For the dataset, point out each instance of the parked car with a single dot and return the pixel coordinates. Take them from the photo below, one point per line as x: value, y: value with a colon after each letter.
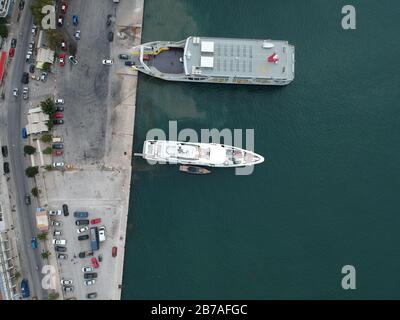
x: 63, y: 45
x: 24, y: 133
x: 92, y: 295
x: 95, y: 221
x: 15, y: 92
x: 78, y: 35
x: 59, y: 101
x: 13, y: 43
x: 60, y: 242
x: 25, y: 292
x: 114, y: 252
x: 57, y: 153
x: 25, y: 78
x: 56, y: 223
x: 108, y: 62
x: 90, y: 275
x: 27, y: 199
x: 123, y: 56
x: 110, y: 36
x: 102, y: 233
x: 28, y: 57
x: 25, y: 93
x: 81, y: 222
x: 32, y: 68
x: 129, y: 63
x: 21, y: 5
x: 60, y: 21
x: 33, y: 30
x: 55, y: 212
x: 66, y: 282
x: 43, y: 76
x: 81, y: 214
x: 73, y: 59
x: 87, y: 269
x: 65, y: 210
x: 34, y: 243
x: 68, y: 288
x: 57, y: 146
x: 84, y: 254
x: 57, y: 233
x: 75, y: 20
x: 95, y: 263
x: 62, y: 256
x: 6, y: 167
x: 58, y: 165
x: 60, y: 249
x: 57, y: 115
x: 58, y: 121
x: 64, y: 7
x: 89, y: 282
x: 83, y: 237
x: 4, y: 151
x: 62, y: 59
x: 11, y: 52
x: 100, y: 257
x: 59, y: 109
x: 83, y: 229
x: 109, y: 20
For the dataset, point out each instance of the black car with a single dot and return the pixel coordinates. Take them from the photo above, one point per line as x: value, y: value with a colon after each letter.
x: 82, y: 222
x: 123, y: 56
x: 58, y: 121
x: 83, y: 237
x: 6, y: 167
x: 109, y: 19
x: 100, y: 258
x: 65, y: 210
x: 13, y: 43
x: 57, y: 146
x: 62, y: 256
x: 84, y: 254
x: 25, y: 78
x: 92, y: 295
x: 59, y: 109
x: 60, y: 249
x: 4, y: 151
x: 27, y: 199
x: 32, y: 68
x: 110, y: 36
x: 21, y: 5
x: 92, y: 275
x: 129, y: 63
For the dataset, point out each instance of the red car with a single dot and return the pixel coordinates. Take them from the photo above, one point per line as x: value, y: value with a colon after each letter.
x: 114, y: 251
x: 94, y: 221
x: 11, y: 52
x: 64, y: 7
x: 62, y: 59
x: 95, y: 264
x: 58, y: 115
x: 63, y: 45
x: 57, y: 153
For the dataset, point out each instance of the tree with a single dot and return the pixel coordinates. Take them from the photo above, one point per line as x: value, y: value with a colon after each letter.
x: 35, y: 192
x: 46, y: 138
x: 54, y: 38
x: 48, y: 106
x: 42, y: 236
x: 49, y: 125
x: 48, y: 167
x: 46, y: 67
x: 29, y: 149
x: 32, y: 171
x: 48, y: 150
x: 17, y: 275
x: 3, y: 31
x: 36, y: 9
x: 45, y: 254
x: 53, y: 295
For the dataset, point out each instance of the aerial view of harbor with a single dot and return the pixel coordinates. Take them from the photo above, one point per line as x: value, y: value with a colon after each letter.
x: 199, y: 150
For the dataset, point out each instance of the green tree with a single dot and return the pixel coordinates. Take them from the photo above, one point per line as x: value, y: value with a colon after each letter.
x: 46, y: 67
x: 49, y: 125
x: 35, y: 192
x: 42, y: 236
x: 32, y: 171
x: 17, y: 275
x: 46, y: 138
x: 48, y: 106
x: 29, y: 149
x: 48, y: 167
x: 45, y: 255
x: 36, y: 9
x: 3, y: 31
x: 53, y: 295
x: 48, y: 150
x: 54, y: 38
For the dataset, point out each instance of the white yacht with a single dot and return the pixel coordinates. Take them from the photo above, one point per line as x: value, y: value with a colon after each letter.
x: 202, y: 154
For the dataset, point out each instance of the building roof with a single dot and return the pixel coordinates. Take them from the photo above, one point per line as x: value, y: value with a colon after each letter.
x: 36, y: 121
x: 244, y: 58
x: 43, y: 56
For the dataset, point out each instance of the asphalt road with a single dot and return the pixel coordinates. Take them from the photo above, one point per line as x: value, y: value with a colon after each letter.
x: 16, y: 118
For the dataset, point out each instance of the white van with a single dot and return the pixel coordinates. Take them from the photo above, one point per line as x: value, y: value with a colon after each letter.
x: 57, y: 139
x: 59, y: 101
x: 102, y: 233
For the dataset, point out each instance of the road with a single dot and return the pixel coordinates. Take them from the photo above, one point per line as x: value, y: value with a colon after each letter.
x: 16, y: 118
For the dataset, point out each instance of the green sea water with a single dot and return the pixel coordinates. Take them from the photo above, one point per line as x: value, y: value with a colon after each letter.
x: 327, y: 194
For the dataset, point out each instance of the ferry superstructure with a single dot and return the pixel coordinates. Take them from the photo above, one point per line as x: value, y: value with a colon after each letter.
x: 202, y: 154
x: 218, y: 60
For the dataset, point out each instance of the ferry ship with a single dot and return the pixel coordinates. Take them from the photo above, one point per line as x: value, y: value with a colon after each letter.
x: 201, y: 154
x: 218, y: 60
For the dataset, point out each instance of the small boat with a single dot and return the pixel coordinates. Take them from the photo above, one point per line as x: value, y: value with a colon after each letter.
x: 193, y: 169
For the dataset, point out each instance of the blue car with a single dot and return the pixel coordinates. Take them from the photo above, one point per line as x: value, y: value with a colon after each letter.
x: 81, y: 214
x: 25, y: 289
x: 34, y: 243
x: 24, y: 133
x: 75, y: 20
